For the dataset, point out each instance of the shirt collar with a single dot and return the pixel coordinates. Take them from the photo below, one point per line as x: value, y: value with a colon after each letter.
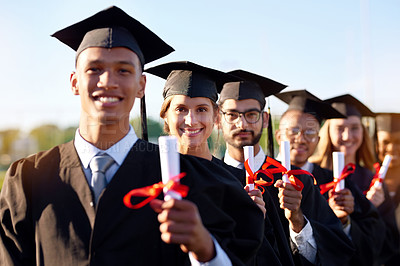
x: 259, y: 160
x: 118, y: 151
x: 232, y: 162
x: 309, y: 167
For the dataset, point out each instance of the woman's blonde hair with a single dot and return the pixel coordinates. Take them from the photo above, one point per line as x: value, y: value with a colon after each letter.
x: 364, y: 156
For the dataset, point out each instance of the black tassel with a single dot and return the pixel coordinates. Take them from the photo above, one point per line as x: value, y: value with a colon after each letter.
x: 143, y: 119
x: 270, y: 134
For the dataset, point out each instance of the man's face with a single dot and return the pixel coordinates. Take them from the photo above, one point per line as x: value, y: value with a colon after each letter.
x: 389, y: 144
x: 108, y: 81
x: 301, y: 129
x: 242, y: 133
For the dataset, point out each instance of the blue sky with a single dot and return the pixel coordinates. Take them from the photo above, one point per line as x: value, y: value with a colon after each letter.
x: 327, y: 47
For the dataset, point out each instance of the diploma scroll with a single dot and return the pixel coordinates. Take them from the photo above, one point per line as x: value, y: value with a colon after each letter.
x: 383, y: 170
x: 285, y: 152
x: 249, y: 155
x: 170, y: 167
x: 338, y: 165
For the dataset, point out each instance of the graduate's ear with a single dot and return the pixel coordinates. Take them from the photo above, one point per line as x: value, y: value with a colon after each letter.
x: 278, y: 136
x: 142, y: 86
x: 218, y: 120
x: 265, y: 119
x: 74, y: 83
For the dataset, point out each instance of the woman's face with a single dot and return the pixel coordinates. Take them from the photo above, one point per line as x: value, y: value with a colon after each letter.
x: 346, y: 135
x: 191, y: 120
x: 389, y: 144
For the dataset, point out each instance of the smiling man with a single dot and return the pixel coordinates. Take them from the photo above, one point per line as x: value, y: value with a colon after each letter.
x: 300, y: 126
x: 65, y: 206
x: 310, y: 226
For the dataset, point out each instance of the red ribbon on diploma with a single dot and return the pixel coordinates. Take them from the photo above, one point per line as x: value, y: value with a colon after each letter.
x: 347, y: 170
x: 252, y: 178
x: 298, y: 185
x: 376, y: 177
x: 153, y: 191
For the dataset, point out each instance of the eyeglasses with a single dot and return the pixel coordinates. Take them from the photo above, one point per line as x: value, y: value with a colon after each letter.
x: 309, y: 135
x: 251, y: 117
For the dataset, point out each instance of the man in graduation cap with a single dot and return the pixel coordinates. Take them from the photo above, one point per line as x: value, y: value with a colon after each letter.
x: 388, y: 143
x: 300, y: 125
x: 65, y: 206
x: 312, y: 229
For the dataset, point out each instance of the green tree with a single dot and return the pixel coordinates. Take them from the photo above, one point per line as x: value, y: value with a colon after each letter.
x: 8, y: 137
x: 68, y: 134
x: 47, y: 136
x: 154, y: 128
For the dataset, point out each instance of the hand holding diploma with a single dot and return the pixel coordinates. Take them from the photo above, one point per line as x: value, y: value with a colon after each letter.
x: 257, y: 197
x: 285, y: 151
x: 289, y: 197
x: 375, y: 193
x: 180, y: 221
x: 342, y: 203
x: 338, y: 166
x: 169, y: 158
x: 249, y: 157
x: 290, y: 201
x: 383, y: 170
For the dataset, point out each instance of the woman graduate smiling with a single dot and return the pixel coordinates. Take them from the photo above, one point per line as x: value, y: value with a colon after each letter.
x: 190, y: 112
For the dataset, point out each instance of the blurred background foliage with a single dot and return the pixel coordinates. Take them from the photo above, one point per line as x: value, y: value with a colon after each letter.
x: 15, y: 144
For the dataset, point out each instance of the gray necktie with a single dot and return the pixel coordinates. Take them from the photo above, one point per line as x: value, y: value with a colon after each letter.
x: 99, y: 165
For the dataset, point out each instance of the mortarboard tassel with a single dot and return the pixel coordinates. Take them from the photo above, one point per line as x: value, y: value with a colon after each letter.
x: 270, y: 136
x: 143, y: 118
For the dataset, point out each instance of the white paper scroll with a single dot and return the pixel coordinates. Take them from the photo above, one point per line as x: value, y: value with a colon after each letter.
x: 383, y: 170
x: 249, y: 155
x: 338, y: 165
x: 285, y: 152
x: 170, y: 167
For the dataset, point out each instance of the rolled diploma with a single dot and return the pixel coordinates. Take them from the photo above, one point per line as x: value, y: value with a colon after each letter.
x: 383, y: 170
x: 169, y: 158
x: 285, y: 152
x: 249, y: 154
x: 338, y: 165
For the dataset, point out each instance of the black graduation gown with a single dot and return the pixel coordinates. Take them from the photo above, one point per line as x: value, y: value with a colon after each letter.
x: 333, y: 246
x: 47, y: 215
x: 274, y: 236
x: 367, y: 227
x: 362, y: 177
x: 394, y: 261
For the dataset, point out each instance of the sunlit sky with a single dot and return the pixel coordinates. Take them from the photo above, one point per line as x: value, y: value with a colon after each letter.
x: 327, y: 47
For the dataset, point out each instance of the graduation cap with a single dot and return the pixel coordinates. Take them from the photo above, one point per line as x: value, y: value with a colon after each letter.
x: 306, y: 102
x: 113, y: 27
x: 251, y: 86
x: 349, y: 105
x: 256, y: 87
x: 389, y: 122
x: 190, y: 79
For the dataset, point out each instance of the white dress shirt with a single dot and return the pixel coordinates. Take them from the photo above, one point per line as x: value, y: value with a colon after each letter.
x: 304, y: 240
x: 86, y: 151
x: 309, y: 167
